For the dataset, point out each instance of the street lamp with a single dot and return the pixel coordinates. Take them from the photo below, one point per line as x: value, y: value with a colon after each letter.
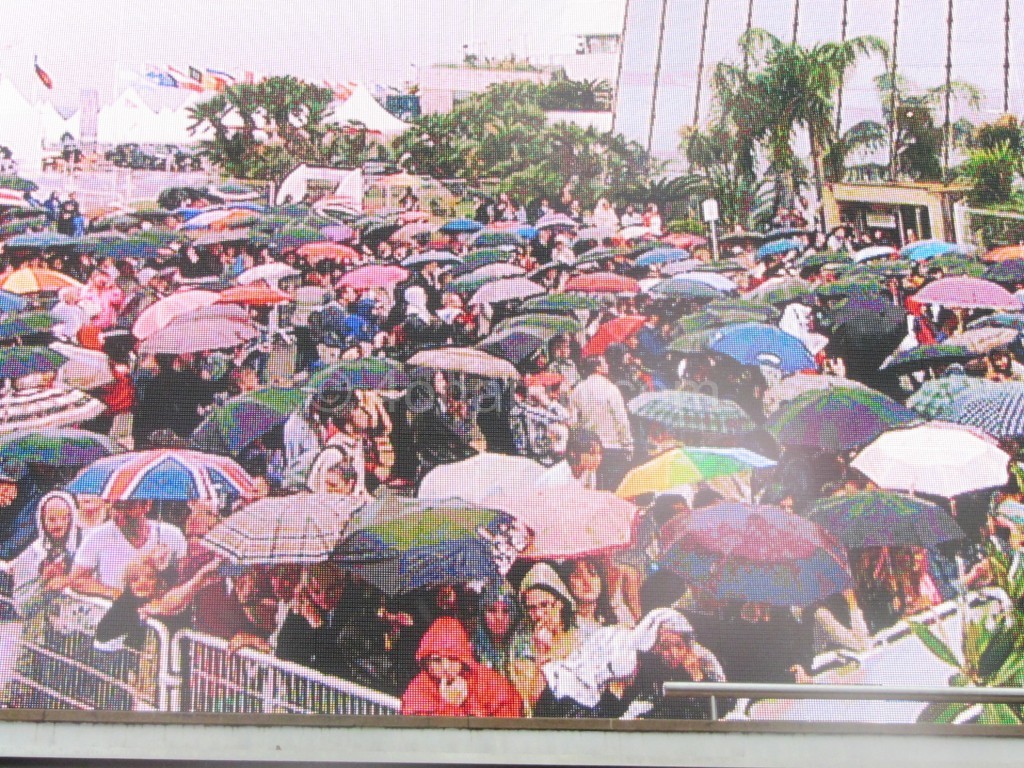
x: 709, y: 211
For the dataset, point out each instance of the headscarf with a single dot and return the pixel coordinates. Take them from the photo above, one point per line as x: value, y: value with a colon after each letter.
x: 416, y: 304
x: 491, y: 654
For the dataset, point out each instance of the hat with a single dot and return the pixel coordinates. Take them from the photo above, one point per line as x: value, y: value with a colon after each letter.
x: 12, y: 470
x: 543, y: 575
x: 333, y: 402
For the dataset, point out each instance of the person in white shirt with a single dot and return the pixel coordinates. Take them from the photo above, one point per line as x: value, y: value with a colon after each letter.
x: 597, y: 404
x: 101, y: 559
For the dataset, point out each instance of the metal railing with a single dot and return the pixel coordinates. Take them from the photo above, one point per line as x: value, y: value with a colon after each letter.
x: 212, y: 679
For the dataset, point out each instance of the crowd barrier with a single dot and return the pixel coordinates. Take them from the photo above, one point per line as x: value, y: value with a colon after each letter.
x: 54, y: 663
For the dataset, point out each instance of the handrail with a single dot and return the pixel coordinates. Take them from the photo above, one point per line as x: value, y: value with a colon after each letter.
x: 966, y: 695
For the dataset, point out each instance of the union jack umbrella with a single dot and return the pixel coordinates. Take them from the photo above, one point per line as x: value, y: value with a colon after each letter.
x: 164, y: 474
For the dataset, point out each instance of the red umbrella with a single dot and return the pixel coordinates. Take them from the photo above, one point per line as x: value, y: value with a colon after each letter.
x: 323, y: 251
x: 374, y: 276
x: 613, y: 332
x: 603, y: 282
x: 253, y: 295
x: 684, y: 240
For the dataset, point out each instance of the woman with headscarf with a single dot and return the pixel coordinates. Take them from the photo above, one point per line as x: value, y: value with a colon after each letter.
x: 497, y: 621
x: 45, y: 564
x: 420, y: 327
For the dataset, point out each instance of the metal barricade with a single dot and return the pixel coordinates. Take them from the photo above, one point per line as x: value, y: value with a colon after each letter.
x: 214, y: 680
x: 57, y: 664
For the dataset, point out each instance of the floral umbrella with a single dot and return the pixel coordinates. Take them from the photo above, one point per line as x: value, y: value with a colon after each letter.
x: 759, y: 554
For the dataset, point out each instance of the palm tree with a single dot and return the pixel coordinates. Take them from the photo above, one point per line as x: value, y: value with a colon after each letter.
x: 868, y: 135
x: 786, y: 87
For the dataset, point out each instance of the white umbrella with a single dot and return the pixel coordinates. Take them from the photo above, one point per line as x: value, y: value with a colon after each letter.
x: 46, y: 407
x: 874, y: 252
x: 85, y: 369
x: 269, y: 273
x: 488, y: 474
x: 506, y: 289
x: 936, y: 458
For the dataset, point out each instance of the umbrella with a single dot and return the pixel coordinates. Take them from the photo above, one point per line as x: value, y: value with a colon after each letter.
x: 760, y: 344
x: 162, y: 312
x: 410, y: 232
x: 815, y: 260
x: 459, y: 226
x: 570, y: 522
x: 462, y: 360
x: 562, y: 302
x: 981, y: 341
x: 303, y: 528
x: 514, y: 344
x: 549, y: 220
x: 856, y: 285
x: 600, y: 234
x: 374, y: 276
x: 997, y: 409
x: 338, y: 233
x: 602, y: 282
x: 837, y: 419
x: 661, y: 256
x: 245, y: 418
x: 167, y: 474
x: 793, y: 386
x: 1011, y: 271
x: 367, y: 373
x: 41, y: 408
x: 439, y: 257
x: 59, y: 447
x: 735, y: 310
x: 11, y: 302
x: 85, y: 369
x: 925, y: 356
x: 778, y: 247
x: 207, y: 238
x: 633, y: 233
x: 923, y: 250
x: 39, y: 241
x: 271, y: 274
x: 742, y: 239
x: 16, y: 362
x: 968, y: 293
x: 185, y: 336
x: 884, y: 519
x: 685, y: 466
x: 685, y: 289
x: 475, y: 479
x: 692, y: 342
x: 873, y: 252
x: 938, y: 459
x: 759, y: 554
x: 781, y: 291
x: 486, y: 239
x: 692, y: 412
x: 999, y: 320
x: 35, y: 280
x: 684, y: 240
x: 716, y: 281
x: 506, y: 289
x: 614, y: 331
x: 398, y: 545
x: 314, y: 253
x: 253, y: 296
x: 1005, y: 253
x: 543, y: 324
x: 936, y: 397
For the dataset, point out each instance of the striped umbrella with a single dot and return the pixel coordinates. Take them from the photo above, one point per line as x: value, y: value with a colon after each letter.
x: 997, y: 409
x: 685, y: 466
x: 303, y: 528
x: 59, y: 406
x: 16, y: 362
x: 168, y: 474
x: 63, y: 447
x: 884, y: 519
x: 837, y: 419
x: 691, y: 412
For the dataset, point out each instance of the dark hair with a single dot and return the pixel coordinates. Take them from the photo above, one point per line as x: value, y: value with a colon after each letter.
x: 603, y: 612
x: 581, y: 441
x: 589, y: 366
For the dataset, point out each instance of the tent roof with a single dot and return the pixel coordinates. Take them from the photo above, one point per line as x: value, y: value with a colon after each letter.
x: 361, y: 107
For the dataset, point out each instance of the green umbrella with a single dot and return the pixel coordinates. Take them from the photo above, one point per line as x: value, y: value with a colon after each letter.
x: 742, y: 311
x: 245, y: 418
x: 693, y: 342
x: 818, y: 260
x: 25, y: 324
x: 367, y: 373
x: 856, y: 284
x: 691, y: 412
x: 16, y: 362
x: 552, y: 323
x: 561, y: 302
x: 58, y: 447
x: 781, y: 291
x: 885, y: 519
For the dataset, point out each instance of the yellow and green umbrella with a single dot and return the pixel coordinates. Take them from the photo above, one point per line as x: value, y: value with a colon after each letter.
x: 684, y: 466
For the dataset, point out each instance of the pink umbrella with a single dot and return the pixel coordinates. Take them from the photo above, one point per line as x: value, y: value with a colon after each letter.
x: 684, y: 240
x: 570, y: 521
x: 159, y: 315
x: 374, y: 276
x: 968, y: 293
x: 338, y: 233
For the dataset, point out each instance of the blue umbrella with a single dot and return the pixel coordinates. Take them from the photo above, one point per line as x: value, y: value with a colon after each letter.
x: 928, y: 249
x: 662, y: 256
x: 40, y: 240
x: 760, y: 344
x: 456, y: 226
x: 11, y: 302
x: 779, y: 246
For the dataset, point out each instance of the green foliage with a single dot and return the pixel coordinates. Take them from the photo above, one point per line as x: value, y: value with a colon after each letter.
x: 991, y: 172
x: 564, y: 94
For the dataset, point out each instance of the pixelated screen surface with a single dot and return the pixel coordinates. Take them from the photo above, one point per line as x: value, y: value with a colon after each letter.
x: 515, y: 361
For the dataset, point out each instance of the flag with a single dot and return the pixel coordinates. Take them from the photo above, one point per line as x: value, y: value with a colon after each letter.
x: 44, y: 78
x: 183, y: 79
x: 220, y: 74
x: 157, y: 76
x: 196, y: 74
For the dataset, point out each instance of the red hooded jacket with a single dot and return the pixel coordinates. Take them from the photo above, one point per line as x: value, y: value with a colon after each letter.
x: 490, y: 694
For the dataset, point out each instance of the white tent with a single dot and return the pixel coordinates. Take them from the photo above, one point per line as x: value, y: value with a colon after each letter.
x: 128, y: 119
x: 20, y: 128
x: 362, y: 108
x: 54, y: 124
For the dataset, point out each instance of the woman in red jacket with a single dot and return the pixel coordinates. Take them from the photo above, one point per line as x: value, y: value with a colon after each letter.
x: 452, y: 683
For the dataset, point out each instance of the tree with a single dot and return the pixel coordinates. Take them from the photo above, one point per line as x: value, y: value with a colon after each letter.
x: 992, y: 172
x: 785, y: 87
x: 867, y: 135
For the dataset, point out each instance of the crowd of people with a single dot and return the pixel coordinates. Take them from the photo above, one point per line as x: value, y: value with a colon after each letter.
x: 393, y: 347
